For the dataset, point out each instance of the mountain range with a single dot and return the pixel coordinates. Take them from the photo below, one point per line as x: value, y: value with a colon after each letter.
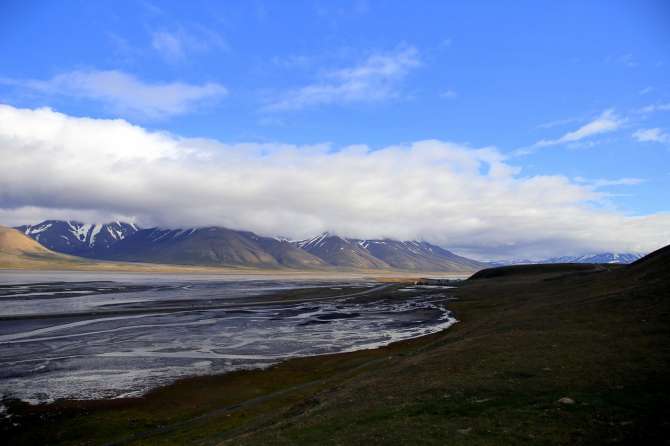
x: 605, y: 257
x: 218, y: 246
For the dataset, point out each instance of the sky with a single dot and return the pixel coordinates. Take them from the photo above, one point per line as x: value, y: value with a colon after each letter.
x: 496, y: 129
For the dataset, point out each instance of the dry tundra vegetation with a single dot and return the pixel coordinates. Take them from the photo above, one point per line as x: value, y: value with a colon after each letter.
x: 547, y: 355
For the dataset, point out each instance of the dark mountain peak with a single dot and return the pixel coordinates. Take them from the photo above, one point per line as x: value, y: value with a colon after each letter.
x: 319, y: 241
x: 74, y: 237
x: 341, y: 252
x: 417, y: 255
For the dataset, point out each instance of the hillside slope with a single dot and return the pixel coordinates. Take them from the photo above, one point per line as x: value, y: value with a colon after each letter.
x: 418, y: 256
x: 341, y: 252
x: 213, y: 246
x: 20, y: 251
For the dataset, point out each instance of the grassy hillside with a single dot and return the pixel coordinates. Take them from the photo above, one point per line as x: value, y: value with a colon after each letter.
x: 556, y: 357
x: 19, y: 251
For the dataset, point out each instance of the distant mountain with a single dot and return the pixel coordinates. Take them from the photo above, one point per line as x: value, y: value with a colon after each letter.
x: 508, y: 262
x: 418, y: 256
x: 210, y: 246
x: 374, y: 254
x: 217, y: 246
x: 341, y: 252
x: 80, y: 239
x: 606, y: 257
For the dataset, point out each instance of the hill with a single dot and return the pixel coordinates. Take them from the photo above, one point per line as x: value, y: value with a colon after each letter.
x: 19, y: 251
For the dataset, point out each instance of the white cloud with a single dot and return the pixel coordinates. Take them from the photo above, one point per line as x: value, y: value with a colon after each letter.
x: 124, y: 94
x: 653, y: 108
x: 376, y: 79
x: 646, y: 90
x: 168, y: 45
x: 556, y: 123
x: 465, y: 198
x: 606, y: 122
x: 600, y: 183
x: 651, y: 135
x: 625, y: 59
x: 174, y: 46
x: 448, y: 94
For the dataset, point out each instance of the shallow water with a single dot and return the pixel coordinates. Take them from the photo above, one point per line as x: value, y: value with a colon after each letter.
x: 93, y: 335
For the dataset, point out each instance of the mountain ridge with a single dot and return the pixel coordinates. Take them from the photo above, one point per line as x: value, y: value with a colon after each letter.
x: 620, y: 258
x: 219, y: 246
x: 77, y: 238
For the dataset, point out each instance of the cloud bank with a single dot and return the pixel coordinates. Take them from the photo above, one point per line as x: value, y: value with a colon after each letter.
x: 468, y: 199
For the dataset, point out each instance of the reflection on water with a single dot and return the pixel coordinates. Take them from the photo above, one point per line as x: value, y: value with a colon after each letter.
x: 77, y: 336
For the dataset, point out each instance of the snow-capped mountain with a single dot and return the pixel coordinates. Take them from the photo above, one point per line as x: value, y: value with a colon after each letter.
x: 210, y: 246
x: 508, y: 262
x: 81, y: 239
x: 217, y: 246
x: 418, y: 256
x: 605, y: 257
x: 341, y: 252
x: 386, y: 253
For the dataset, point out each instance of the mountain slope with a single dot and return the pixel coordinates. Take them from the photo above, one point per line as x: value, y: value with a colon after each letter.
x: 286, y: 253
x: 76, y: 238
x: 387, y: 253
x: 341, y: 252
x: 212, y: 246
x: 18, y: 250
x: 418, y: 256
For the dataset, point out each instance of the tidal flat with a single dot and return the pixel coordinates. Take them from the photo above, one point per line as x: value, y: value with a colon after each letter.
x: 76, y: 337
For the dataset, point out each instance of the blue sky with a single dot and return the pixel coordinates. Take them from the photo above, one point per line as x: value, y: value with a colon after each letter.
x: 573, y: 89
